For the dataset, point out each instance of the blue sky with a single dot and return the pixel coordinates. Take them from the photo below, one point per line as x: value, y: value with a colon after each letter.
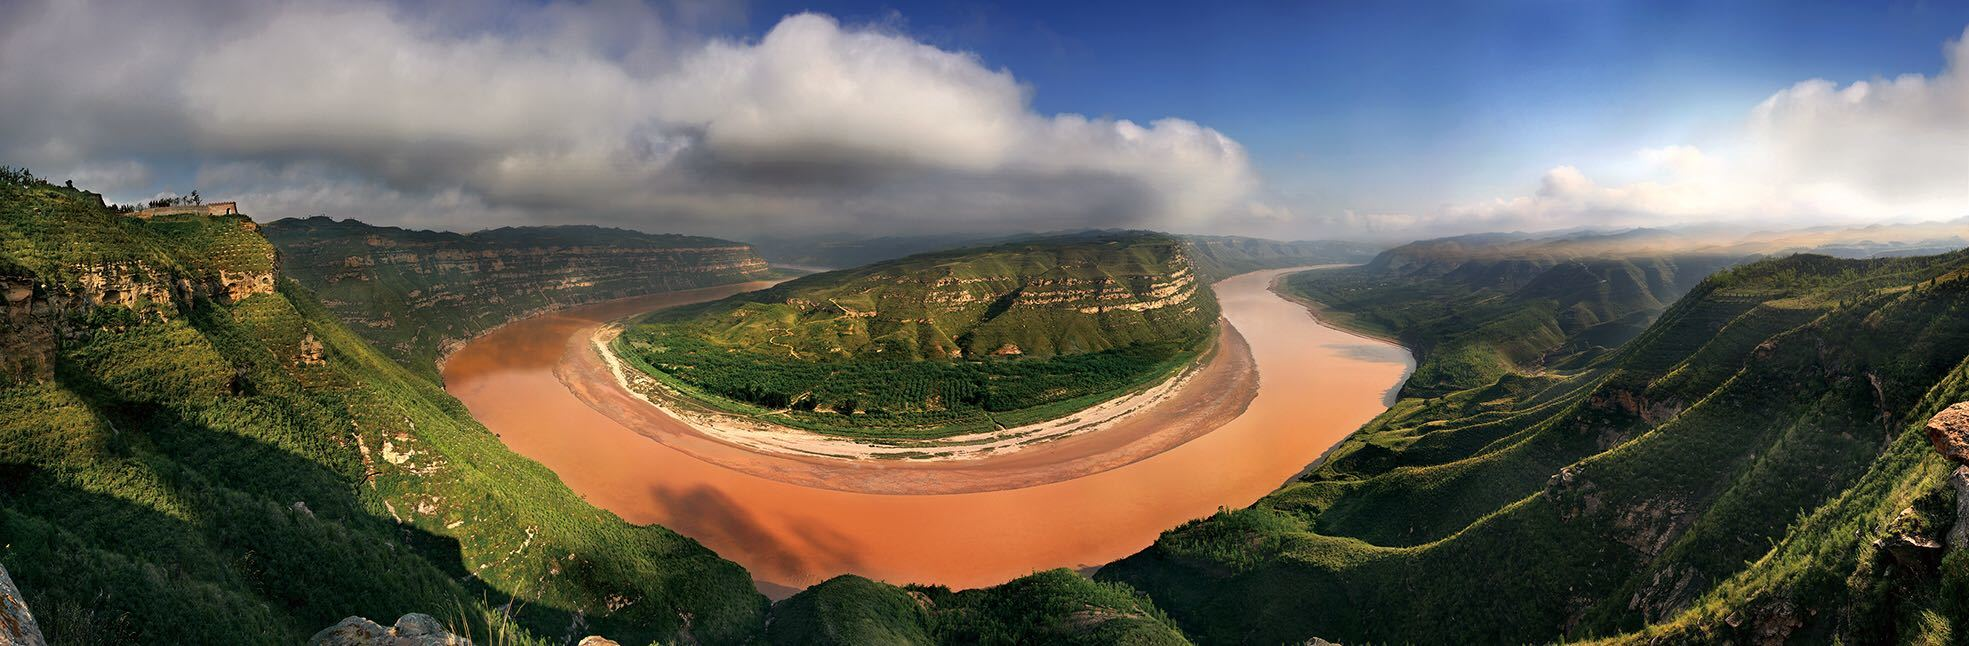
x: 1350, y: 103
x: 1381, y: 120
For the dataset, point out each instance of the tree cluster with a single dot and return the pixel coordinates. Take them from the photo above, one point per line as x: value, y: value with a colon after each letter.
x: 19, y: 176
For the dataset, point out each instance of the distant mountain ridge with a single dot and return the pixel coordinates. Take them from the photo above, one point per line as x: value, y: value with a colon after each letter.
x: 1872, y: 241
x: 1216, y: 257
x: 418, y: 294
x: 1475, y: 308
x: 1220, y: 257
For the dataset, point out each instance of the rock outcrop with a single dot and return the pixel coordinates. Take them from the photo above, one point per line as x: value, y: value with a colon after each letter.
x: 17, y: 625
x: 62, y: 297
x: 1948, y: 432
x: 414, y: 629
x: 1038, y: 298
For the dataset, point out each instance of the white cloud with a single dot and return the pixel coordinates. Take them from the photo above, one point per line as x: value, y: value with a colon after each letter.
x: 575, y: 111
x: 1813, y: 153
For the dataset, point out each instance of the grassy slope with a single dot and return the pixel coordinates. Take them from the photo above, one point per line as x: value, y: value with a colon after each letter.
x: 1639, y: 486
x: 1051, y: 607
x: 870, y: 351
x: 460, y: 285
x: 1473, y: 319
x: 184, y: 477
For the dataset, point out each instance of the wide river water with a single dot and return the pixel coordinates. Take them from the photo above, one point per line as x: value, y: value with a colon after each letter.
x: 1316, y: 385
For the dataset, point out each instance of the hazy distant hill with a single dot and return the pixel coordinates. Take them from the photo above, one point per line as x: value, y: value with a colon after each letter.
x: 1220, y: 257
x: 843, y: 251
x: 1750, y: 468
x: 1478, y: 307
x: 1216, y: 257
x: 417, y: 294
x: 956, y: 337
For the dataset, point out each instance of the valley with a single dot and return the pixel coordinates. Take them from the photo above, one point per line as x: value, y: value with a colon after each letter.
x: 793, y: 522
x: 1629, y: 422
x: 824, y: 323
x: 1740, y: 470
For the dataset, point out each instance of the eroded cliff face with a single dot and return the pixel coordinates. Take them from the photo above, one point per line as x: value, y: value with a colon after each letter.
x: 38, y: 310
x: 1037, y: 298
x: 421, y: 294
x: 1087, y: 295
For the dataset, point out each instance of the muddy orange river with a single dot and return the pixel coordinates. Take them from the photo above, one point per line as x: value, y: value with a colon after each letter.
x: 793, y: 523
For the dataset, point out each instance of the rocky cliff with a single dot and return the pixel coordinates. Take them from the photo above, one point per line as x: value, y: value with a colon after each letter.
x: 17, y: 624
x: 1047, y: 296
x: 419, y: 294
x: 63, y: 276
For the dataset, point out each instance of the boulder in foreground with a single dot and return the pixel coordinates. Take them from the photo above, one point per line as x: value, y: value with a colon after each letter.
x: 1948, y: 431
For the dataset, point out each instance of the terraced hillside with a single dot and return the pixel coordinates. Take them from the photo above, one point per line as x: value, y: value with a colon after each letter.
x: 938, y: 344
x: 194, y: 451
x: 418, y: 294
x: 1477, y: 308
x: 1750, y: 468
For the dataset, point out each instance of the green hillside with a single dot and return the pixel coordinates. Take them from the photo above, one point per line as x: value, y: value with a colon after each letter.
x: 418, y: 294
x: 1722, y: 477
x: 1051, y: 607
x: 944, y: 343
x: 1478, y: 308
x: 193, y: 451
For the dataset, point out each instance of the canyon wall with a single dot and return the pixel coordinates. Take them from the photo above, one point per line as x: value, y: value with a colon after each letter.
x: 418, y: 295
x: 1041, y: 297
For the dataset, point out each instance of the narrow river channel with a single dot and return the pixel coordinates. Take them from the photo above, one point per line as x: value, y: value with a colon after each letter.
x: 1316, y: 384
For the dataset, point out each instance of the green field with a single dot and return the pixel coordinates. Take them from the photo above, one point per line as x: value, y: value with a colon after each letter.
x: 941, y: 344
